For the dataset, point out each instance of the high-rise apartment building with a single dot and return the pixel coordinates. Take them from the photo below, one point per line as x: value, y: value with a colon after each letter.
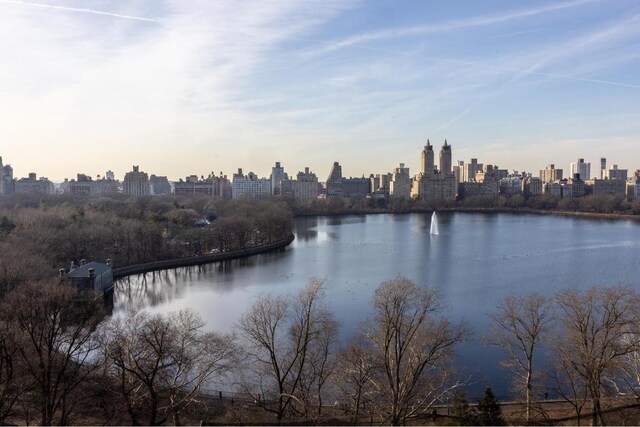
x: 458, y: 171
x: 469, y: 171
x: 553, y: 189
x: 551, y: 174
x: 584, y: 169
x: 33, y: 185
x: 334, y: 181
x: 400, y: 185
x: 491, y: 173
x: 81, y: 185
x: 136, y: 183
x: 85, y: 185
x: 339, y: 186
x: 7, y: 184
x: 607, y: 187
x: 250, y: 186
x: 277, y: 176
x: 531, y: 186
x: 104, y: 186
x: 427, y: 165
x: 381, y: 183
x: 439, y: 185
x: 633, y: 186
x: 304, y: 187
x: 159, y: 185
x: 445, y: 158
x: 615, y: 173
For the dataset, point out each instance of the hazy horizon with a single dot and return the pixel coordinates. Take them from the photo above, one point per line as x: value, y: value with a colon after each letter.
x: 192, y: 87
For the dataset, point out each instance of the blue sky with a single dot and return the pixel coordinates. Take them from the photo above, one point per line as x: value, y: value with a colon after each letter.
x: 189, y: 87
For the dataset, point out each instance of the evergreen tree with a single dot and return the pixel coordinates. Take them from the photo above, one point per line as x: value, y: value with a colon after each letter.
x: 489, y: 411
x: 460, y: 411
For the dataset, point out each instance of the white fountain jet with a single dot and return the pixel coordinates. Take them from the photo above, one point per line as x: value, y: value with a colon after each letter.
x: 434, y: 224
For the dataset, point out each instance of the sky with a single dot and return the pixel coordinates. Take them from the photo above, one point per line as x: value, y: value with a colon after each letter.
x: 183, y: 87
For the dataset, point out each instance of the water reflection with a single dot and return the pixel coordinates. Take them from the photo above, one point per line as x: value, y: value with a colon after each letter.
x: 341, y: 220
x: 306, y: 228
x: 476, y: 260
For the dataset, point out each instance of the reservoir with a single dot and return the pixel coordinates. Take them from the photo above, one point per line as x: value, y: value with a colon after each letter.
x: 476, y: 260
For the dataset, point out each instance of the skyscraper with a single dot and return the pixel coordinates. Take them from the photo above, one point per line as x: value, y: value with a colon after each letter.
x: 7, y: 184
x: 334, y: 182
x: 582, y: 168
x: 438, y: 185
x: 400, y: 182
x: 277, y: 176
x: 469, y: 170
x: 551, y: 174
x: 426, y: 159
x: 445, y: 158
x: 136, y: 183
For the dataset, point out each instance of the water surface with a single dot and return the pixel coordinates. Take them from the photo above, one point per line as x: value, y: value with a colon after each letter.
x: 475, y: 261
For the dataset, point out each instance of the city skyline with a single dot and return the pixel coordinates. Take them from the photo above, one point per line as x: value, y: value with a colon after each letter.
x: 222, y: 86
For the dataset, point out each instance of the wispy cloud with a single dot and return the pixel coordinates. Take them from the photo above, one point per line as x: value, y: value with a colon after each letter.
x: 519, y: 33
x: 446, y: 26
x: 226, y: 84
x: 75, y: 9
x: 562, y: 52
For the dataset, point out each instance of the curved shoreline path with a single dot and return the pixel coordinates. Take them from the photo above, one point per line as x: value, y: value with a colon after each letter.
x: 119, y: 273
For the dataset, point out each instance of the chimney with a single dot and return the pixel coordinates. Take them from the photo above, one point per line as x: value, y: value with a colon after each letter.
x: 92, y: 272
x: 62, y: 272
x: 109, y: 262
x: 83, y: 262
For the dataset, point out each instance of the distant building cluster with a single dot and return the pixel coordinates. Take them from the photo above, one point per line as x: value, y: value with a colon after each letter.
x: 433, y: 183
x: 31, y: 184
x: 84, y: 184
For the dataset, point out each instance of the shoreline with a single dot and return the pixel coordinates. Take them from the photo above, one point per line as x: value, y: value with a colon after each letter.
x: 121, y: 272
x: 148, y: 267
x: 585, y: 215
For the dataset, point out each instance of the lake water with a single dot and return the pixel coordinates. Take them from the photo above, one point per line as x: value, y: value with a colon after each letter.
x: 475, y: 261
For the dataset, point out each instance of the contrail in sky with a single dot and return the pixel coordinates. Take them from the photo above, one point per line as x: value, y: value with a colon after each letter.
x: 477, y: 21
x: 75, y: 9
x: 518, y: 75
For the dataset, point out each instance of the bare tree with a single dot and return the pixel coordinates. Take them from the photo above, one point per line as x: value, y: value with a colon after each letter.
x: 162, y: 362
x: 320, y: 366
x: 280, y: 334
x: 568, y: 382
x: 598, y: 328
x: 413, y: 346
x: 198, y: 357
x: 520, y: 324
x: 629, y: 370
x: 52, y: 331
x: 12, y: 381
x: 357, y: 379
x: 136, y: 350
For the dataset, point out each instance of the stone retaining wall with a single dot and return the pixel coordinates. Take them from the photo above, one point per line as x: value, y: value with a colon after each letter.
x: 198, y: 260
